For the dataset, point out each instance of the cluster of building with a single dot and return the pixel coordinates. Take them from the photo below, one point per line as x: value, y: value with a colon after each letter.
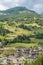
x: 21, y: 55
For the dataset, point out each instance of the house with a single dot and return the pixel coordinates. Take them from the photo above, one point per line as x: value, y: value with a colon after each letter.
x: 19, y: 61
x: 4, y: 60
x: 1, y: 45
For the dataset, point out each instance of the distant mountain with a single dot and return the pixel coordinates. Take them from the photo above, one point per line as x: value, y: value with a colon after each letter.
x: 17, y: 10
x: 42, y: 13
x: 17, y: 13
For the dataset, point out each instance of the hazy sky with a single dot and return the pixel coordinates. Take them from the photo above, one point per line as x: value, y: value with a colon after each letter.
x: 36, y: 5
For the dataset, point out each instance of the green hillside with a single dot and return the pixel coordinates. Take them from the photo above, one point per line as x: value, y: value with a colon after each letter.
x: 21, y: 26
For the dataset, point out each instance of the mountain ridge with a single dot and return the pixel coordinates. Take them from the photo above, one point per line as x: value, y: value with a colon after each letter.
x: 17, y: 9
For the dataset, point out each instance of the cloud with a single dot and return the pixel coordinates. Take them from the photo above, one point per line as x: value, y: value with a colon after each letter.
x: 2, y: 7
x: 11, y: 3
x: 38, y: 8
x: 36, y: 5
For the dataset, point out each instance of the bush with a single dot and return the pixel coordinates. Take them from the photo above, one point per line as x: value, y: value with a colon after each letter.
x: 38, y: 61
x: 22, y: 39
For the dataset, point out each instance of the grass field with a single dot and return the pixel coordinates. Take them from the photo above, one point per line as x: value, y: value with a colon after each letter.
x: 25, y: 45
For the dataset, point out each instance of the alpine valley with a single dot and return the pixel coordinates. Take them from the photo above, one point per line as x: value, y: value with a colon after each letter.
x: 21, y: 36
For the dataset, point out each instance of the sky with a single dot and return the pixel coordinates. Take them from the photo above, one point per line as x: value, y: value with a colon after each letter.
x: 36, y: 5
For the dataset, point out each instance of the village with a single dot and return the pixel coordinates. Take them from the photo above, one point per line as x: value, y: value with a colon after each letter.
x: 20, y: 55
